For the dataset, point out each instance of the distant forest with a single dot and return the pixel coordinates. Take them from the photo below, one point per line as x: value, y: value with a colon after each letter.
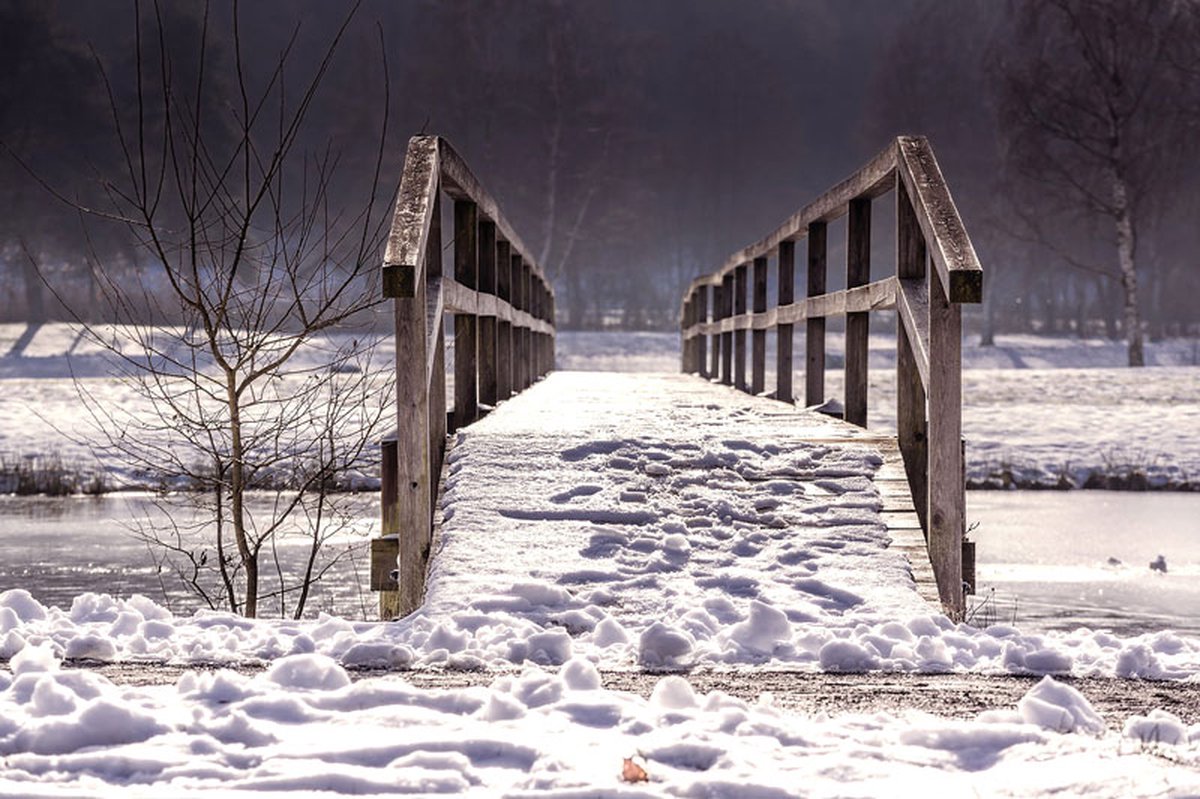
x: 634, y: 145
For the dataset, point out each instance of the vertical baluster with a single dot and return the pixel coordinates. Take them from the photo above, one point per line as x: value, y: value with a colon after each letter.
x: 739, y: 335
x: 758, y: 362
x: 504, y: 348
x: 466, y: 270
x: 814, y: 336
x: 727, y: 337
x: 858, y: 273
x: 784, y: 333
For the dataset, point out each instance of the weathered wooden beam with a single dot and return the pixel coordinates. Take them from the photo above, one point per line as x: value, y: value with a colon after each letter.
x: 702, y: 340
x: 504, y: 337
x: 727, y: 335
x: 953, y: 254
x: 758, y: 362
x: 947, y: 498
x: 739, y: 333
x: 714, y: 364
x: 814, y: 337
x: 858, y: 323
x: 786, y: 283
x: 466, y: 340
x: 488, y: 320
x: 912, y: 353
x: 403, y: 259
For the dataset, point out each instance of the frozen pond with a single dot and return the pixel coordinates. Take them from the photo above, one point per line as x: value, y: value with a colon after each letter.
x: 1047, y: 555
x: 56, y: 548
x: 1043, y: 557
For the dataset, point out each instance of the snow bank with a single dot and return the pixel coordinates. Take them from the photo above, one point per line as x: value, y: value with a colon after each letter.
x: 746, y: 544
x: 305, y: 727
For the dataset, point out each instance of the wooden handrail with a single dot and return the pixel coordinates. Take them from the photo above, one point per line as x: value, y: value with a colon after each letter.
x: 714, y: 319
x: 503, y: 308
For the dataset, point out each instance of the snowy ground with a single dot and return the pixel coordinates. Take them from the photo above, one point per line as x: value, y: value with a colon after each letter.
x: 689, y: 539
x: 1036, y: 411
x: 302, y: 727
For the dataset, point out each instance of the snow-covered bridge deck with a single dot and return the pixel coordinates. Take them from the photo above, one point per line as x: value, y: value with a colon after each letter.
x: 664, y: 520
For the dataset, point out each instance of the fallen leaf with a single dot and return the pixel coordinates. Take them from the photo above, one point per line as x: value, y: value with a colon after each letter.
x: 632, y: 772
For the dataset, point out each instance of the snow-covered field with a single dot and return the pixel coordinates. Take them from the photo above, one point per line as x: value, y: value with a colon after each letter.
x: 1037, y: 411
x: 303, y: 728
x: 672, y: 543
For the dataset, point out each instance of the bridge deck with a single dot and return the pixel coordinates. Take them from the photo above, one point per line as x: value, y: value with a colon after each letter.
x: 604, y: 502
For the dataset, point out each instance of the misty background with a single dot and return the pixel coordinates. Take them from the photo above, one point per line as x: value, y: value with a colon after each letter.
x: 633, y: 145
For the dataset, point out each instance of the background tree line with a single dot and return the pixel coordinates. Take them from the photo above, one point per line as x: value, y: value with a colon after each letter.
x: 635, y: 145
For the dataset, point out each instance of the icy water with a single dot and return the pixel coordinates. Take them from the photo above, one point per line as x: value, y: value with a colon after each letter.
x: 1043, y: 557
x: 56, y: 548
x: 1047, y: 556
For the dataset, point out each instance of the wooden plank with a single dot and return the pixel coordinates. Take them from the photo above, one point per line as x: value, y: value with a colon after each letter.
x: 814, y: 338
x: 727, y: 334
x: 785, y: 333
x: 403, y: 259
x: 488, y: 322
x: 953, y: 254
x: 466, y: 340
x: 912, y: 351
x: 739, y: 333
x: 947, y: 501
x: 714, y: 363
x: 702, y: 341
x: 504, y: 337
x: 758, y: 359
x: 413, y: 426
x: 858, y: 324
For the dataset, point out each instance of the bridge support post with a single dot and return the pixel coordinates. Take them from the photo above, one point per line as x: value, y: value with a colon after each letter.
x: 466, y: 270
x: 947, y: 501
x: 814, y: 335
x: 858, y: 325
x: 739, y: 335
x: 727, y: 337
x: 784, y: 333
x: 488, y: 328
x: 758, y: 364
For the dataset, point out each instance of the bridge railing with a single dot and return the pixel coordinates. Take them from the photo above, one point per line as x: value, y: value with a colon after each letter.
x: 503, y: 309
x: 716, y: 317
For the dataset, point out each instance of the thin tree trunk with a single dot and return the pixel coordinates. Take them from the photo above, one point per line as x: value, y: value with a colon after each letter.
x: 1125, y: 257
x: 237, y: 490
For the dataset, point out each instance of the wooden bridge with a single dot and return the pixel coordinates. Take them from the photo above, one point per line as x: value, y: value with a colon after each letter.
x: 503, y: 309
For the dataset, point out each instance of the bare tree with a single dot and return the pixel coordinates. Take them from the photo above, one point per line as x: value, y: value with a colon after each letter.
x: 1093, y: 105
x: 264, y: 385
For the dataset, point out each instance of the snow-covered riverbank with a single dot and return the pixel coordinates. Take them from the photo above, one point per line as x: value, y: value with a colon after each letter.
x: 1037, y: 412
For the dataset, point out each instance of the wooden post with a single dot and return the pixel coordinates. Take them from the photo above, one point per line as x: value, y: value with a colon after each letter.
x: 526, y: 333
x: 714, y: 363
x: 437, y: 391
x: 701, y: 340
x: 385, y: 554
x: 858, y: 273
x: 785, y: 333
x: 415, y: 428
x: 504, y: 349
x: 947, y: 505
x: 727, y: 337
x: 739, y: 335
x: 911, y: 424
x: 488, y: 390
x: 814, y: 336
x: 685, y: 343
x: 466, y: 271
x: 758, y: 361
